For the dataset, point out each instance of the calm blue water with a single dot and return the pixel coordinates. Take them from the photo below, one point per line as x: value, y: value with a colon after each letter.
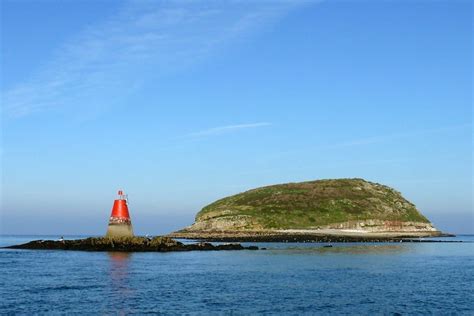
x: 288, y: 278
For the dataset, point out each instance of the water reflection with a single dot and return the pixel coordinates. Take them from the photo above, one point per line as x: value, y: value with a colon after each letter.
x: 350, y: 249
x: 119, y: 260
x: 119, y: 273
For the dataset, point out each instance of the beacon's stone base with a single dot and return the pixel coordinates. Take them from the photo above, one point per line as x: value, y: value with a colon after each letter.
x: 119, y: 230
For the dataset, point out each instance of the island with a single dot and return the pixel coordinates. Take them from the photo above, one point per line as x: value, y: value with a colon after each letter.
x: 126, y: 244
x: 329, y: 210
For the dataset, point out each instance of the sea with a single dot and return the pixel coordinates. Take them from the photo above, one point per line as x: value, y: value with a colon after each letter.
x: 284, y: 279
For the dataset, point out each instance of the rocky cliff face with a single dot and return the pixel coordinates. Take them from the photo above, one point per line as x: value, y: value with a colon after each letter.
x: 315, y: 206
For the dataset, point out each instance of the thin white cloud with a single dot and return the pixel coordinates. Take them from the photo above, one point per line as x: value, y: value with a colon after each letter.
x: 143, y: 41
x: 226, y: 129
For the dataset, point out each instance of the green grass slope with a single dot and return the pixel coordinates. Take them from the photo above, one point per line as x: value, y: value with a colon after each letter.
x: 312, y: 204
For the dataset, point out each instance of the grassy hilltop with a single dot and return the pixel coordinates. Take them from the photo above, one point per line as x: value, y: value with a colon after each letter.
x: 310, y: 205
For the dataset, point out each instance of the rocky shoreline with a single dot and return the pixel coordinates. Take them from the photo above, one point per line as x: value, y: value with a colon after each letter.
x: 305, y: 237
x: 127, y: 244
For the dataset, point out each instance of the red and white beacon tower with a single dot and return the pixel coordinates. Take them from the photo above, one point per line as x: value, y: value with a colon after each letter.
x: 120, y: 224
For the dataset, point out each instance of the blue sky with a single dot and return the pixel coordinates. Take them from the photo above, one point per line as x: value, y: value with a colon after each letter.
x: 180, y: 103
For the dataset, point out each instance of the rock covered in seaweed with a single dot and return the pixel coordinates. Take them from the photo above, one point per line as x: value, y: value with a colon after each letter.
x: 126, y: 244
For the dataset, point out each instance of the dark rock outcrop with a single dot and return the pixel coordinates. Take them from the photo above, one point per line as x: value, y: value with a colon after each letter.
x: 126, y: 244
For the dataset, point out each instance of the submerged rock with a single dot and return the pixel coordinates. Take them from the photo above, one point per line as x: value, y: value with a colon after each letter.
x: 126, y: 244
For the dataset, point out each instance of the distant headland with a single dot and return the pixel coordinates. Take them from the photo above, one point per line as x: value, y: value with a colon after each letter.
x: 321, y: 210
